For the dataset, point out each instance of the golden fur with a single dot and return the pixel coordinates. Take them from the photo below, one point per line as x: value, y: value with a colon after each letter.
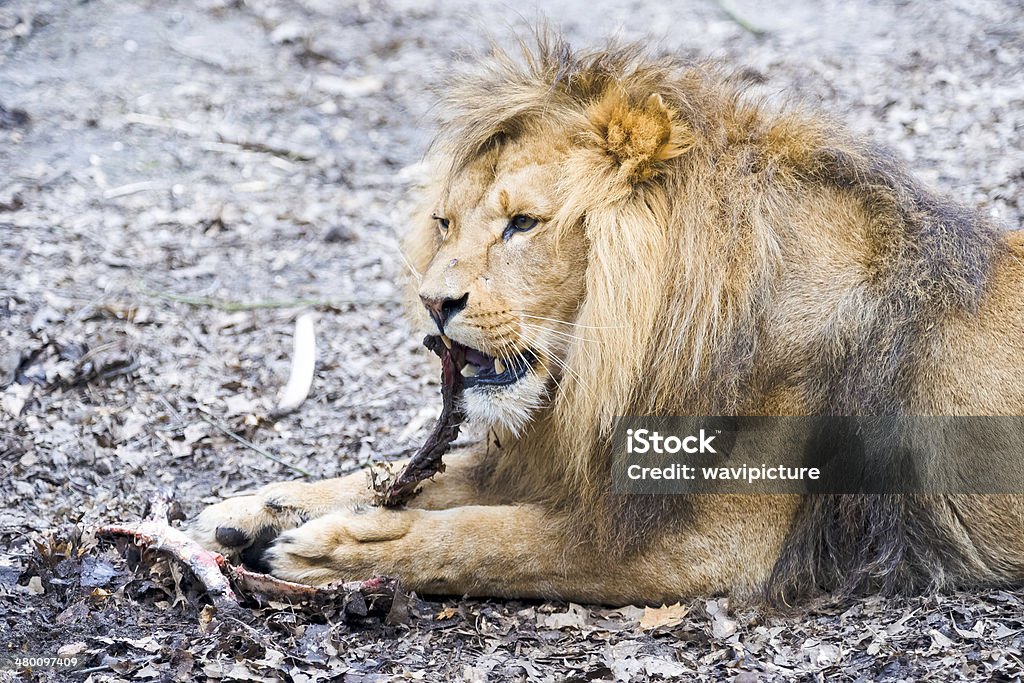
x: 697, y: 253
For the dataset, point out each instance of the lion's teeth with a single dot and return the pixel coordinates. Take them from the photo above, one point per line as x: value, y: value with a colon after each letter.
x: 447, y: 341
x: 468, y: 370
x: 499, y: 367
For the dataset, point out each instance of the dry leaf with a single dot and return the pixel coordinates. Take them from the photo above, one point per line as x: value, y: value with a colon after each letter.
x: 71, y: 649
x: 722, y: 626
x: 446, y: 613
x: 574, y: 617
x: 939, y: 639
x: 667, y: 615
x: 206, y: 616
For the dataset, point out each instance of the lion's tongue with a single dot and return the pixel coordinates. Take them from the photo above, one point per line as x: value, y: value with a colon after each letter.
x: 479, y: 359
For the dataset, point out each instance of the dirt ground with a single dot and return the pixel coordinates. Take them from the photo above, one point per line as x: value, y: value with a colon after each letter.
x: 179, y: 180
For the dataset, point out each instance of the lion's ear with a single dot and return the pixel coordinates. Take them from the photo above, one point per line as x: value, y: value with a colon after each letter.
x: 638, y: 136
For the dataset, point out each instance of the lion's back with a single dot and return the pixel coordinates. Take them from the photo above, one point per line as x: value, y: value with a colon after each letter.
x: 975, y: 365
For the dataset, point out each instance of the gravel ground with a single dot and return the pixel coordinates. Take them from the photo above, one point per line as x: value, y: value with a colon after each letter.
x: 179, y: 180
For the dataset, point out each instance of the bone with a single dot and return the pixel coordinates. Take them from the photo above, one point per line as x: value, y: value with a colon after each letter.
x: 226, y: 584
x: 303, y: 364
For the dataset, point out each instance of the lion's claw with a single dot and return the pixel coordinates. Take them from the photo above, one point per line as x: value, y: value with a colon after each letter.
x: 230, y: 537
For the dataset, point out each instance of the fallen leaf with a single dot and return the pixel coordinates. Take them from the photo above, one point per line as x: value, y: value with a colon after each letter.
x: 721, y: 625
x: 939, y: 639
x: 196, y: 431
x: 206, y: 618
x: 670, y: 670
x: 239, y: 404
x: 660, y: 617
x: 574, y: 617
x: 13, y: 400
x: 71, y: 649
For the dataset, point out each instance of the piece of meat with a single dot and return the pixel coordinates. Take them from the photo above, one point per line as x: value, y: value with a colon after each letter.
x: 428, y: 459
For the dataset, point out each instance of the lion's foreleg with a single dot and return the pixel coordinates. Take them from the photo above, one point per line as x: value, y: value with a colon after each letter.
x: 502, y: 551
x: 246, y: 525
x: 506, y: 550
x: 525, y: 551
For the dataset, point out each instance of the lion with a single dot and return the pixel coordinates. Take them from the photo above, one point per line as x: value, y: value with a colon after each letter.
x: 608, y: 234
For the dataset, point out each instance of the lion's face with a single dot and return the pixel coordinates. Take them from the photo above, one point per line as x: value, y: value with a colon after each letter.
x: 504, y: 281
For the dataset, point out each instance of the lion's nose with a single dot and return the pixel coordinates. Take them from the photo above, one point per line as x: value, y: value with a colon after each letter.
x: 442, y: 310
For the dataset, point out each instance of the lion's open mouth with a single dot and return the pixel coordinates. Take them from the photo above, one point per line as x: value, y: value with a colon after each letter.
x: 480, y: 369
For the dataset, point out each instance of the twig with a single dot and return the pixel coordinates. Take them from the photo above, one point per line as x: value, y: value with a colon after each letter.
x: 132, y: 188
x: 161, y: 122
x: 235, y: 306
x: 249, y: 444
x: 203, y: 59
x: 232, y: 148
x: 187, y: 329
x: 171, y: 409
x: 727, y: 8
x: 222, y: 141
x: 264, y: 148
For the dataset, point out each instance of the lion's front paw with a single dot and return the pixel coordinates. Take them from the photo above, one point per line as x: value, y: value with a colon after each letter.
x: 353, y: 544
x: 242, y: 528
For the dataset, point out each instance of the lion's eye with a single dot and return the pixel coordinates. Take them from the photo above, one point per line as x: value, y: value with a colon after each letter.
x: 442, y: 223
x: 519, y: 223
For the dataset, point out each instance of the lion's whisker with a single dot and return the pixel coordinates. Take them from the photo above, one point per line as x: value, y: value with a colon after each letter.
x: 565, y: 335
x: 553, y: 357
x: 506, y: 339
x: 567, y: 322
x: 546, y: 358
x: 408, y: 264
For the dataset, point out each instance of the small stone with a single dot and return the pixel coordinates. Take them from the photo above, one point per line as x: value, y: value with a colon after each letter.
x: 288, y: 32
x: 349, y: 87
x: 13, y: 118
x: 339, y: 233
